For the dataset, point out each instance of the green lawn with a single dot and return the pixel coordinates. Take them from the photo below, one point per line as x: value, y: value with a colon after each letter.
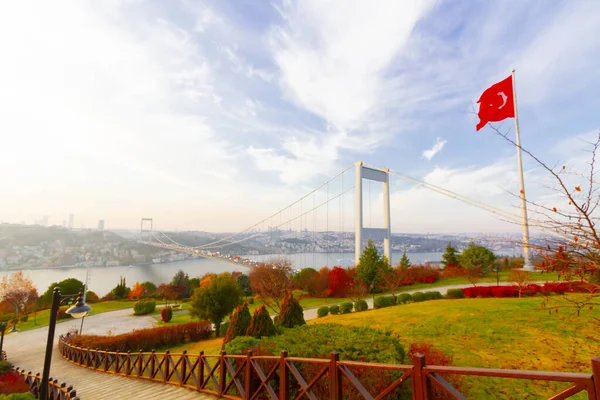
x: 42, y: 318
x: 493, y: 333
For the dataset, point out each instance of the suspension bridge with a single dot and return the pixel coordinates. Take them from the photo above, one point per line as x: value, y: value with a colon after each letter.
x: 330, y: 225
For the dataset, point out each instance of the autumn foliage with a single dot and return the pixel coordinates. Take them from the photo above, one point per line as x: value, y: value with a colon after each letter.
x: 339, y: 282
x: 137, y: 291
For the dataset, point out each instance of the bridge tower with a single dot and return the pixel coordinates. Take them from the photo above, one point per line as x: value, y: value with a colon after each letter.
x: 142, y: 230
x: 377, y: 175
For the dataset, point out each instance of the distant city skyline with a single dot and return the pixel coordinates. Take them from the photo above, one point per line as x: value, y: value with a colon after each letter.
x: 211, y: 115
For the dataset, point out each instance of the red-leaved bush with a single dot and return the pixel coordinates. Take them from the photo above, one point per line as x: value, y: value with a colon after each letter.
x: 339, y: 282
x: 146, y: 339
x: 451, y: 271
x: 419, y: 274
x: 529, y: 290
x: 436, y: 357
x: 12, y: 382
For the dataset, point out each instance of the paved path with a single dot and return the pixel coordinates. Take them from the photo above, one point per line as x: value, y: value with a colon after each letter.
x: 26, y: 350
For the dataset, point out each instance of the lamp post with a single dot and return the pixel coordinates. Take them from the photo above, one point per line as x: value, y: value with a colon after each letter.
x: 3, y: 326
x: 79, y: 310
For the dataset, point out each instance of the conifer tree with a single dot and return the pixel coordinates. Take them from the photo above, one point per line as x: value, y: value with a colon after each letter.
x: 261, y: 324
x: 291, y: 313
x: 238, y: 323
x: 405, y: 261
x: 450, y: 257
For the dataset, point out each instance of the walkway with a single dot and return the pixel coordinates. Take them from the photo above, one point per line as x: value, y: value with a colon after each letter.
x: 26, y: 350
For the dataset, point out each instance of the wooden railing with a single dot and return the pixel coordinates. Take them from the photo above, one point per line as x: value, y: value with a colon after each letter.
x: 56, y: 391
x: 283, y: 377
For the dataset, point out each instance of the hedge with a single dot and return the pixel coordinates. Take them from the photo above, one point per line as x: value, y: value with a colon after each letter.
x: 144, y: 307
x: 322, y: 311
x: 346, y: 308
x: 361, y: 305
x: 419, y: 297
x: 433, y: 295
x: 383, y: 301
x: 404, y: 298
x: 455, y: 294
x: 334, y: 310
x: 529, y: 290
x: 146, y: 339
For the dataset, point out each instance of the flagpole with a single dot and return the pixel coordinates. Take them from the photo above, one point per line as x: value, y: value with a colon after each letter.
x: 526, y: 250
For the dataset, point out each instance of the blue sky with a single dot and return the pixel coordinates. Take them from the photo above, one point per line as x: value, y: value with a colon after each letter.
x: 211, y: 114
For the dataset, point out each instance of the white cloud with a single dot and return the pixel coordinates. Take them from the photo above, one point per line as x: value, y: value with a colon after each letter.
x: 436, y: 148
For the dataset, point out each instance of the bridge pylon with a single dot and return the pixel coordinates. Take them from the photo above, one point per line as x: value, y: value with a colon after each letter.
x: 148, y: 231
x: 377, y: 175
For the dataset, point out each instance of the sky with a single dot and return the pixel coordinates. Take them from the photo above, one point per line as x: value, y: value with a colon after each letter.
x: 211, y: 115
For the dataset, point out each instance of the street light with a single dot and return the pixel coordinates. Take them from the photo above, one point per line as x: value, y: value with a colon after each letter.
x: 79, y: 310
x: 3, y: 326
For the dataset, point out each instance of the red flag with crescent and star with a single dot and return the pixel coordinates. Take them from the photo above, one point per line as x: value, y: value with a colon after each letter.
x: 496, y: 103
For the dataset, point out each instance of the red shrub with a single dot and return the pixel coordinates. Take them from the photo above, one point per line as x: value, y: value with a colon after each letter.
x: 146, y: 339
x: 451, y: 271
x: 12, y: 382
x: 339, y: 281
x: 528, y: 290
x: 434, y: 356
x: 419, y: 274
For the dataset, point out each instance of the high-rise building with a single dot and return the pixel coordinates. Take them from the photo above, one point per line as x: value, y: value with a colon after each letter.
x: 45, y: 220
x: 64, y: 223
x: 71, y: 221
x: 101, y: 225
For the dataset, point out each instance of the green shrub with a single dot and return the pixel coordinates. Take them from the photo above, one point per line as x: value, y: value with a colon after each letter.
x: 166, y: 314
x: 18, y: 396
x: 322, y: 311
x: 361, y: 305
x: 146, y: 339
x: 419, y: 297
x: 456, y: 294
x: 91, y: 297
x: 383, y: 301
x: 352, y: 342
x: 334, y: 309
x: 24, y: 318
x: 291, y: 313
x: 433, y: 295
x: 251, y: 300
x: 238, y: 324
x: 144, y: 307
x: 346, y: 308
x: 404, y: 298
x: 5, y: 366
x: 261, y: 324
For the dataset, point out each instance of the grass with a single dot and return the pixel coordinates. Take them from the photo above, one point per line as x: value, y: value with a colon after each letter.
x: 492, y: 333
x: 42, y: 318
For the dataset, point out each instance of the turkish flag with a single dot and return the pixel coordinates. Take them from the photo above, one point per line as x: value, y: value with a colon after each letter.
x: 496, y: 103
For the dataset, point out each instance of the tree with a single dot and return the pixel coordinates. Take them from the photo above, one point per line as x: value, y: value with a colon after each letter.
x: 389, y: 280
x: 450, y: 257
x: 521, y: 278
x: 477, y: 256
x: 170, y: 292
x: 16, y: 289
x: 67, y: 286
x: 270, y: 282
x: 149, y: 288
x: 137, y: 291
x: 404, y: 262
x: 291, y: 313
x: 261, y: 324
x: 238, y: 323
x: 216, y: 301
x: 182, y: 279
x: 243, y: 282
x: 369, y: 263
x: 357, y: 289
x: 121, y: 290
x: 206, y: 279
x: 307, y: 279
x: 194, y: 284
x: 339, y: 282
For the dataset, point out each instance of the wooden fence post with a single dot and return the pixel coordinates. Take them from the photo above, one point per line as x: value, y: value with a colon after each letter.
x: 106, y: 360
x: 140, y: 363
x: 596, y: 372
x: 128, y: 363
x: 183, y: 362
x: 222, y: 373
x: 248, y: 387
x: 335, y: 378
x: 418, y: 379
x: 284, y: 379
x: 200, y: 370
x: 117, y: 362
